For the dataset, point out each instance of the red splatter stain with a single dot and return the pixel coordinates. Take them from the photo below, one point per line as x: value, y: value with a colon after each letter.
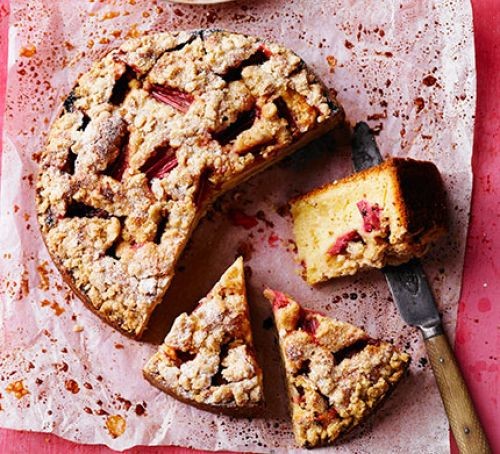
x: 139, y: 410
x: 429, y: 81
x: 43, y: 274
x: 72, y: 386
x: 273, y: 240
x: 484, y: 305
x: 419, y: 103
x: 478, y: 369
x: 245, y: 249
x: 126, y: 403
x: 240, y: 219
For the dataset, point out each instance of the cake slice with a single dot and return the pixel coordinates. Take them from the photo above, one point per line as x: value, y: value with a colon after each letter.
x: 385, y: 215
x: 208, y: 358
x: 335, y: 373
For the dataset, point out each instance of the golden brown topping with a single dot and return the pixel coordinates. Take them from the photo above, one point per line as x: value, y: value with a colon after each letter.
x: 335, y: 373
x: 149, y: 135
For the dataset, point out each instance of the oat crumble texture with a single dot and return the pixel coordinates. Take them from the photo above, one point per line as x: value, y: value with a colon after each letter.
x: 208, y: 359
x: 147, y: 139
x: 335, y: 373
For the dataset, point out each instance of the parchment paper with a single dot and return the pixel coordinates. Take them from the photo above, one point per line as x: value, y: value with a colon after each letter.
x: 405, y: 66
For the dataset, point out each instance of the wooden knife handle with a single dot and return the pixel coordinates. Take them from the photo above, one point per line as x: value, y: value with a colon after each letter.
x: 465, y: 425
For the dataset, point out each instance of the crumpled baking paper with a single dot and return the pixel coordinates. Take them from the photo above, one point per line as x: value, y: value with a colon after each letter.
x: 406, y: 67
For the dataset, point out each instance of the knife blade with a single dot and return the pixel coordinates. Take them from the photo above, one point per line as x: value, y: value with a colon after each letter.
x: 413, y: 297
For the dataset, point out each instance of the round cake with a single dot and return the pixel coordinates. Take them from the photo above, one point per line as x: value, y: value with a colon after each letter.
x: 147, y: 139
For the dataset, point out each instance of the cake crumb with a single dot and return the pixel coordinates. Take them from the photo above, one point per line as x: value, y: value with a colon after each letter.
x: 28, y: 51
x: 17, y: 388
x: 25, y: 284
x: 43, y: 274
x: 332, y: 62
x: 116, y: 425
x: 58, y: 310
x: 77, y: 328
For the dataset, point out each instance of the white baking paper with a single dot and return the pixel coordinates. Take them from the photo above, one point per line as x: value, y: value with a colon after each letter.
x: 405, y: 66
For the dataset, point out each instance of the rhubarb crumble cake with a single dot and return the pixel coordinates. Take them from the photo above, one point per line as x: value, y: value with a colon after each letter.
x: 385, y: 215
x: 208, y: 359
x: 335, y: 373
x: 147, y: 138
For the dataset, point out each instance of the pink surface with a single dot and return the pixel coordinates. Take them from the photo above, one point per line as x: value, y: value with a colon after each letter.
x: 477, y: 339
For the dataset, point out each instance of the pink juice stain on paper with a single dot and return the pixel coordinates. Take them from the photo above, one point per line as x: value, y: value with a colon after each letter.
x: 484, y: 305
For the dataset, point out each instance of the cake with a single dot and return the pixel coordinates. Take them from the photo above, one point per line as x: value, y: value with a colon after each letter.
x: 335, y: 373
x: 384, y: 215
x: 208, y: 359
x: 147, y: 139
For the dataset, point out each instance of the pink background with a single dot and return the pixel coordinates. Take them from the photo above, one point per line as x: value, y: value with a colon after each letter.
x: 477, y: 338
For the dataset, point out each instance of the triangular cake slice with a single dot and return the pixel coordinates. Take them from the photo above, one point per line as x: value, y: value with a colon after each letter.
x: 208, y: 358
x: 335, y: 373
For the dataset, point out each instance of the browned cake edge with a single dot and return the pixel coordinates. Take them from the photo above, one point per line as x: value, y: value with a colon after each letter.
x: 68, y: 279
x: 421, y: 194
x: 229, y: 410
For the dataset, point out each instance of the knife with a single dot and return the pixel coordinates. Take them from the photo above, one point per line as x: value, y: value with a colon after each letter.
x: 413, y: 297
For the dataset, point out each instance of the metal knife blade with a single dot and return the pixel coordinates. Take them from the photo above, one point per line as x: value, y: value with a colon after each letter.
x: 408, y: 283
x: 365, y: 152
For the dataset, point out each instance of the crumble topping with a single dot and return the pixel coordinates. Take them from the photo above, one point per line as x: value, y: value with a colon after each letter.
x: 208, y: 358
x: 336, y: 374
x: 150, y: 135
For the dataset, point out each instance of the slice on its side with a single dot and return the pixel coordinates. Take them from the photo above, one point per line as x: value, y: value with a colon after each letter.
x: 208, y: 359
x: 384, y: 215
x: 335, y: 373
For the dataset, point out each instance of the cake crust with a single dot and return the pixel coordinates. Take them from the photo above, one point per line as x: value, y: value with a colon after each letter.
x: 336, y: 374
x: 384, y: 215
x: 147, y: 139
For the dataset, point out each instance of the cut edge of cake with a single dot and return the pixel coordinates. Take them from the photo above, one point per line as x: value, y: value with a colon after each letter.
x: 336, y: 374
x: 225, y: 303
